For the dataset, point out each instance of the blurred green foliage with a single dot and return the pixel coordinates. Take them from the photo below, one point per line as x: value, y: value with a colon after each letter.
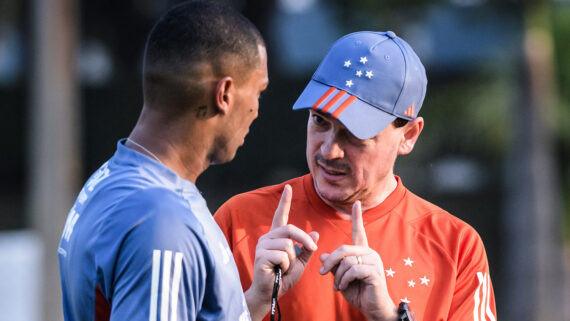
x: 561, y: 34
x: 467, y: 115
x: 560, y: 17
x: 467, y: 112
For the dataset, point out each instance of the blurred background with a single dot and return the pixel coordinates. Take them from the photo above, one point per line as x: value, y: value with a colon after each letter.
x: 495, y: 150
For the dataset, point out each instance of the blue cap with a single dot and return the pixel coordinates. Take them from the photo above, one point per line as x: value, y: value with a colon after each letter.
x: 366, y: 81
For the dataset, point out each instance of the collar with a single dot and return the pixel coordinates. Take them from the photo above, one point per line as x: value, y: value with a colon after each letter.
x: 151, y: 169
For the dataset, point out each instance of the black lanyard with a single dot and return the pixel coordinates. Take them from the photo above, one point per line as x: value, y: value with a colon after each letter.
x: 274, y: 303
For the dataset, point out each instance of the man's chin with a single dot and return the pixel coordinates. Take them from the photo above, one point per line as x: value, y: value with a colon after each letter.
x: 331, y: 192
x: 222, y: 159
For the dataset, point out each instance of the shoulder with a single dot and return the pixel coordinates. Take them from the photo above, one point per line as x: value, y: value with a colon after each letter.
x: 153, y: 214
x: 421, y: 213
x: 439, y: 226
x: 145, y: 222
x: 151, y: 202
x: 263, y: 197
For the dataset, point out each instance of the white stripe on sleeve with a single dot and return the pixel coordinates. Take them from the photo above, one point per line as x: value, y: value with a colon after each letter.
x: 154, y: 285
x: 175, y: 286
x: 166, y: 263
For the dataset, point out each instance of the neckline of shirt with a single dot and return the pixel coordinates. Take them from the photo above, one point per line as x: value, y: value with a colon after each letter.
x: 126, y: 156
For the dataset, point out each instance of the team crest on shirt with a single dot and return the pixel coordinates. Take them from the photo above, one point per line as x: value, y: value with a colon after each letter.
x: 409, y: 278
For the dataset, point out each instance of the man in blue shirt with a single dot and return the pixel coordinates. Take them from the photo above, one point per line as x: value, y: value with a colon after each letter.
x: 140, y: 243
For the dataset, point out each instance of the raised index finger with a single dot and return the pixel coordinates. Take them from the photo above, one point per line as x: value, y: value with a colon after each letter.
x: 281, y: 215
x: 358, y: 232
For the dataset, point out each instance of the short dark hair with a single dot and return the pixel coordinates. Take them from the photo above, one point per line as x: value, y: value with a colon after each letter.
x: 400, y: 122
x: 192, y: 36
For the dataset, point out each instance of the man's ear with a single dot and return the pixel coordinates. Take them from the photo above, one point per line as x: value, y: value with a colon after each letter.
x: 223, y: 95
x: 412, y: 131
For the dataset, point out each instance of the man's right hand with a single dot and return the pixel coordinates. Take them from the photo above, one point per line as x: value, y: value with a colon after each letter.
x: 277, y: 247
x: 359, y: 273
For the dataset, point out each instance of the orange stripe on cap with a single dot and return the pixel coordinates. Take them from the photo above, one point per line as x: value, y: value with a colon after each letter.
x: 323, y: 97
x: 333, y: 101
x: 343, y: 106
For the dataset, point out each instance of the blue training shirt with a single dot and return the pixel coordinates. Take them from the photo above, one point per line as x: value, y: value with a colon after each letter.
x: 140, y: 244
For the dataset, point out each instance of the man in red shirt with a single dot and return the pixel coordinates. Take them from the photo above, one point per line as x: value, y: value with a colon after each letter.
x: 382, y: 249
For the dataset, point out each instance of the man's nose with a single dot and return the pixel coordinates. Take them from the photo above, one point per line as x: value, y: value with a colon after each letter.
x: 330, y: 148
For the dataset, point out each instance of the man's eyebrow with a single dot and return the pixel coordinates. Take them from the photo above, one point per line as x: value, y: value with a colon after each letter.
x: 320, y: 113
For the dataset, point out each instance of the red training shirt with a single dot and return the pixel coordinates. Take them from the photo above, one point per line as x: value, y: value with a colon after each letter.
x: 432, y: 260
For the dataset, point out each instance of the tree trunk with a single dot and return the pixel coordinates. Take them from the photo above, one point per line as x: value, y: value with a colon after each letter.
x: 53, y: 144
x: 533, y: 257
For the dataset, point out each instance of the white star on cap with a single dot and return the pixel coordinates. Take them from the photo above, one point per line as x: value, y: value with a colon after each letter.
x: 390, y: 272
x: 369, y: 74
x: 408, y: 262
x: 411, y: 283
x: 405, y: 300
x: 359, y: 73
x: 347, y: 63
x: 363, y: 60
x: 424, y: 280
x: 349, y: 83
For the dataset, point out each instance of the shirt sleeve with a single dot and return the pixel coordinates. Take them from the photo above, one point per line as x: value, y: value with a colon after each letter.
x: 161, y: 260
x: 474, y: 298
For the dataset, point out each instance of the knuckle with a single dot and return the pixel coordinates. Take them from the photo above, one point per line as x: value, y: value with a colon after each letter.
x: 376, y: 256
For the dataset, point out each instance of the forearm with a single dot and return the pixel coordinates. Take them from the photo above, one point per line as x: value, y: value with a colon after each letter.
x: 383, y: 314
x: 258, y: 306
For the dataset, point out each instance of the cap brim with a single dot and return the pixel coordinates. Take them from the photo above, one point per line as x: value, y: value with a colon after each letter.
x: 360, y: 118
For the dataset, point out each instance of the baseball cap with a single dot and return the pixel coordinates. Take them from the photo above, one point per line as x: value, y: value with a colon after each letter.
x: 366, y: 81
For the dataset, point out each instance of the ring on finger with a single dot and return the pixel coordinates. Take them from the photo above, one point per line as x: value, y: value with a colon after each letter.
x: 359, y: 259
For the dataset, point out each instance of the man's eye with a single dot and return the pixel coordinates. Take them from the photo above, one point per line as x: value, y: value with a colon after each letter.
x: 318, y: 119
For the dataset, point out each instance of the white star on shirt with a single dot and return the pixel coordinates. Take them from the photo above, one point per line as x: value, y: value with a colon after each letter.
x: 411, y: 283
x: 349, y: 83
x: 359, y: 73
x: 408, y: 261
x: 405, y: 300
x: 369, y: 74
x: 424, y: 280
x: 363, y: 60
x: 347, y: 63
x: 390, y: 272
